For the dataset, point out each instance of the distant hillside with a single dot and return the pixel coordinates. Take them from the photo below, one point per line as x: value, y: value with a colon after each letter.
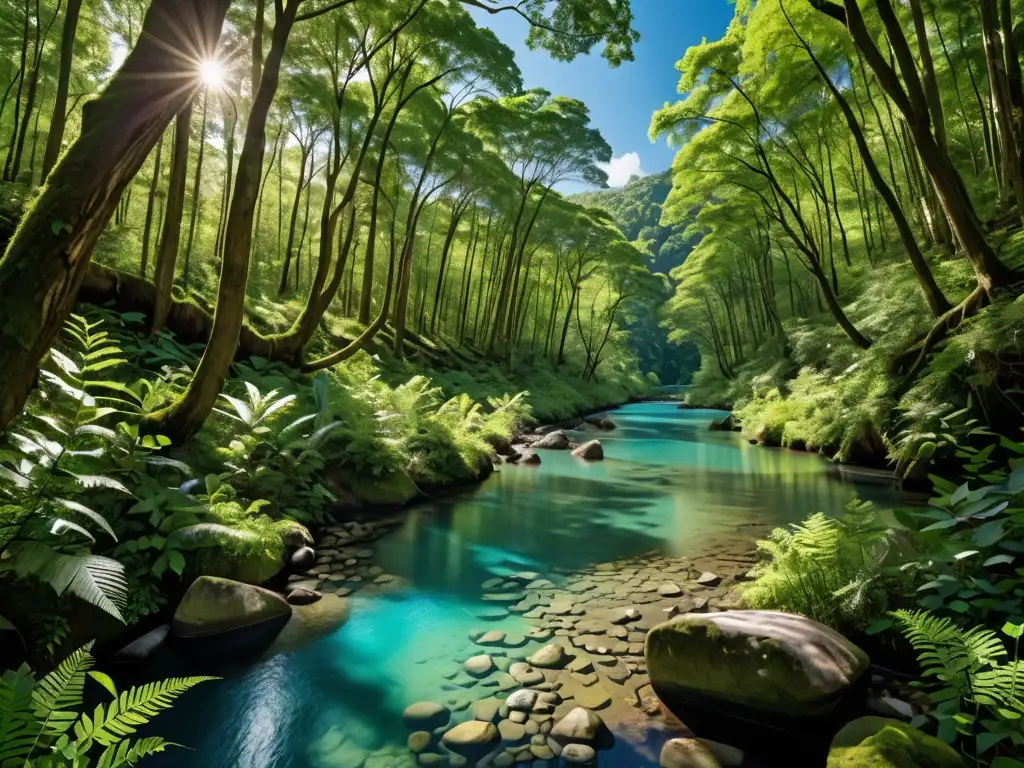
x: 636, y: 209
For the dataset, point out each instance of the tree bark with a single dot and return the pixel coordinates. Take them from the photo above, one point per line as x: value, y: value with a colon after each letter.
x: 58, y: 120
x: 170, y: 238
x: 196, y: 195
x: 150, y: 203
x: 47, y: 259
x: 183, y: 418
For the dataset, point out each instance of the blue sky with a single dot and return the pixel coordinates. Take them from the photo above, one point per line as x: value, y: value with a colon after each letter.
x: 621, y: 100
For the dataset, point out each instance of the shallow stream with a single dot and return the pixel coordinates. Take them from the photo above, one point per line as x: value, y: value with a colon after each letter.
x: 667, y: 485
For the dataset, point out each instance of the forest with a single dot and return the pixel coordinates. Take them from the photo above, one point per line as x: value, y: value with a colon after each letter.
x: 272, y: 267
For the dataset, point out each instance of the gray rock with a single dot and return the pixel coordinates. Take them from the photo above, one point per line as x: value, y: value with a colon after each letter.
x: 530, y: 459
x: 589, y: 451
x: 709, y: 579
x: 221, y: 616
x: 511, y: 731
x: 524, y: 674
x: 579, y: 726
x: 302, y: 558
x: 556, y: 441
x: 522, y: 701
x: 670, y: 589
x: 485, y: 710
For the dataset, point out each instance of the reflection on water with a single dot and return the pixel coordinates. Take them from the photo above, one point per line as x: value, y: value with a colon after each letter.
x: 667, y: 483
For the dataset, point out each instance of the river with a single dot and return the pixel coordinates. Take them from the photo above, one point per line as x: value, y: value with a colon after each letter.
x: 667, y: 485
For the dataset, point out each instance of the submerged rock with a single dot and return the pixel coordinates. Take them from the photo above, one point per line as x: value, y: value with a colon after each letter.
x: 426, y: 716
x: 579, y: 754
x: 530, y: 459
x: 879, y: 742
x: 224, y: 616
x: 591, y: 451
x: 728, y: 424
x: 775, y: 663
x: 470, y: 734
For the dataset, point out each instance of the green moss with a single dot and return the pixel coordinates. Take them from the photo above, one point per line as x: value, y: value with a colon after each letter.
x: 877, y: 742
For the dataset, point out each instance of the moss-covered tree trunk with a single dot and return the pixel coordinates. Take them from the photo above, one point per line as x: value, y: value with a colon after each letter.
x: 48, y: 256
x: 183, y: 418
x: 197, y: 192
x: 170, y: 237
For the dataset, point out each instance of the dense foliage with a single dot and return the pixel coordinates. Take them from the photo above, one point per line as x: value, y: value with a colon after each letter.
x: 855, y: 282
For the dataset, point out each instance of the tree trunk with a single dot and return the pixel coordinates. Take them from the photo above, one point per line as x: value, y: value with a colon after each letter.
x: 59, y: 118
x: 47, y: 258
x: 282, y: 289
x: 184, y: 418
x: 153, y: 187
x: 196, y: 195
x: 257, y: 45
x: 170, y: 238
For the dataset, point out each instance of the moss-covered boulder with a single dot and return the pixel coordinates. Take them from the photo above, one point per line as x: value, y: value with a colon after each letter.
x: 220, y: 616
x: 878, y: 742
x: 780, y: 664
x: 394, y: 489
x: 256, y: 565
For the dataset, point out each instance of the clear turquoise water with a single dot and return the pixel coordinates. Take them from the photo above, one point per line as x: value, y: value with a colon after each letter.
x: 667, y: 483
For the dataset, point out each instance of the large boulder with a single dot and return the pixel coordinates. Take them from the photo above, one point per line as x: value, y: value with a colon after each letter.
x: 222, y: 617
x: 471, y: 736
x: 590, y: 451
x: 777, y: 664
x: 556, y: 441
x: 878, y: 742
x: 426, y: 715
x: 580, y: 726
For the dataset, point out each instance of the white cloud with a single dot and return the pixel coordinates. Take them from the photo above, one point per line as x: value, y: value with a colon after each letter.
x: 621, y: 169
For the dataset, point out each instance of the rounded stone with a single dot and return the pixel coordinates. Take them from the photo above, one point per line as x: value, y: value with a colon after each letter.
x: 426, y: 716
x: 470, y: 734
x: 418, y: 741
x: 479, y: 666
x: 549, y: 657
x: 579, y: 754
x: 302, y: 559
x: 579, y: 726
x: 522, y: 701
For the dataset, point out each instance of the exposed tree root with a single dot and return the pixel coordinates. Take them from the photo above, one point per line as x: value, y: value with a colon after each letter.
x: 913, y: 359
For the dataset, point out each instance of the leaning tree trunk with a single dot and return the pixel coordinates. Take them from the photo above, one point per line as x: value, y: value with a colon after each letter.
x: 196, y: 197
x: 48, y: 256
x: 59, y: 118
x: 170, y: 237
x: 184, y: 417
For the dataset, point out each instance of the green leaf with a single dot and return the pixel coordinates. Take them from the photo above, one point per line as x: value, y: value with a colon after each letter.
x: 998, y: 560
x: 988, y: 534
x: 879, y: 626
x: 105, y: 681
x: 175, y: 561
x: 948, y: 523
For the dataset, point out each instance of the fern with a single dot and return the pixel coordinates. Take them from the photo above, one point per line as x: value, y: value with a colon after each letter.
x: 97, y: 580
x: 60, y: 692
x: 129, y: 753
x: 19, y: 725
x: 132, y: 709
x: 967, y: 662
x: 37, y: 719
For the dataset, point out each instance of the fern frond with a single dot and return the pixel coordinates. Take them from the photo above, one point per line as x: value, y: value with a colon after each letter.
x: 129, y: 752
x: 97, y: 580
x: 19, y: 726
x: 132, y: 709
x: 60, y: 692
